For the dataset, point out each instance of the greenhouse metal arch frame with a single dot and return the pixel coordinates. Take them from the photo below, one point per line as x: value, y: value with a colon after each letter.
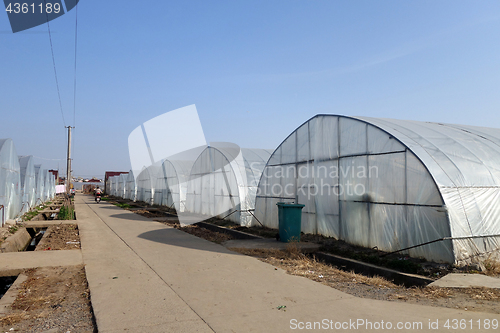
x: 411, y: 207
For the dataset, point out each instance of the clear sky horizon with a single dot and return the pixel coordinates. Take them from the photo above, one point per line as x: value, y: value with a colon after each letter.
x: 255, y: 70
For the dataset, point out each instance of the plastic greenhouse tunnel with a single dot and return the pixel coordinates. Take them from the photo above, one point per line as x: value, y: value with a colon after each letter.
x: 426, y: 189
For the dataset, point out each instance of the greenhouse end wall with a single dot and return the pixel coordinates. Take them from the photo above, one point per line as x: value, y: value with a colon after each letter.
x: 223, y: 182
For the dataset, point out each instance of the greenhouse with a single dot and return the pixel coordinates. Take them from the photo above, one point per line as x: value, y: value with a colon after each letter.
x: 429, y: 189
x: 40, y: 184
x: 146, y: 182
x: 28, y: 183
x: 130, y: 187
x: 10, y: 181
x: 108, y: 185
x: 48, y: 183
x: 171, y: 184
x: 223, y: 182
x: 172, y: 179
x: 121, y: 185
x: 113, y: 185
x: 52, y: 189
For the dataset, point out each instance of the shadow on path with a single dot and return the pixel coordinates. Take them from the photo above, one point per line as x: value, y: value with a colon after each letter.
x: 171, y: 236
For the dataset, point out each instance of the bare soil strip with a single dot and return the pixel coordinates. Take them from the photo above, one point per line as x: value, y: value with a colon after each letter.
x: 60, y: 237
x: 51, y: 298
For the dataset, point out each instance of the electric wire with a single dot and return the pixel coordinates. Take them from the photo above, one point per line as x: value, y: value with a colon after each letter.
x: 54, y: 65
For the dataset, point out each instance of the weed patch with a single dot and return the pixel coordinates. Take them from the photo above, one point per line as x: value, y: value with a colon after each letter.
x: 122, y: 205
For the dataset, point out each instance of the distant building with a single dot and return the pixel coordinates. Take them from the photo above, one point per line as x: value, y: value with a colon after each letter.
x: 60, y: 181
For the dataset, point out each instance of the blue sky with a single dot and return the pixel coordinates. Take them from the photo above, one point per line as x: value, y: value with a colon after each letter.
x: 256, y: 70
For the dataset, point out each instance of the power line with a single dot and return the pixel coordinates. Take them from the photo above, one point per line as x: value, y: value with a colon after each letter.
x: 49, y: 159
x: 54, y: 65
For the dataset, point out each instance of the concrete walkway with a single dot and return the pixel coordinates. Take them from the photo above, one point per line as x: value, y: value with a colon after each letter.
x: 147, y: 277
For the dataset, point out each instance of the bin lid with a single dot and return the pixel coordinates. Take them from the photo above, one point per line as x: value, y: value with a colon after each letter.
x: 287, y: 204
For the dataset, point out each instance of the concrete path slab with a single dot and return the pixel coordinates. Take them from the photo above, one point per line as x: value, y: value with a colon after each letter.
x: 23, y: 260
x: 269, y: 244
x: 456, y: 280
x: 46, y: 224
x: 147, y: 277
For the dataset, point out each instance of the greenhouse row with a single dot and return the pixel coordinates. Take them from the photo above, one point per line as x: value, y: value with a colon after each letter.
x: 23, y: 184
x: 221, y: 181
x: 428, y: 190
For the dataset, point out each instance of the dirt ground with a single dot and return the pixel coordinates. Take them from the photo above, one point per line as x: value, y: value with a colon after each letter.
x: 216, y: 237
x: 55, y: 298
x: 60, y: 237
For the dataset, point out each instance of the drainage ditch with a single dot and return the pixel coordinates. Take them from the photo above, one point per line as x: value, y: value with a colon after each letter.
x: 5, y: 283
x: 36, y: 235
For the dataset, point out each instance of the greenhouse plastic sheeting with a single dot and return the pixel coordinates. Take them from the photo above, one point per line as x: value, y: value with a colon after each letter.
x: 50, y: 185
x: 223, y: 182
x: 114, y: 185
x: 52, y: 190
x: 10, y: 181
x: 40, y: 184
x: 130, y: 187
x: 109, y: 185
x: 171, y: 184
x: 146, y: 182
x: 121, y: 185
x: 28, y: 183
x: 392, y: 184
x: 47, y: 185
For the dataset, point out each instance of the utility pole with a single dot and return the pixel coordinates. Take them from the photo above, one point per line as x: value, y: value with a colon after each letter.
x: 68, y: 166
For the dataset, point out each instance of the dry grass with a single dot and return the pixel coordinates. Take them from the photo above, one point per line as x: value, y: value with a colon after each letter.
x: 14, y: 318
x: 492, y: 266
x: 296, y: 263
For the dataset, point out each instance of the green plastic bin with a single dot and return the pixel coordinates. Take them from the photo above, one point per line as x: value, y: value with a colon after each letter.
x: 289, y: 217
